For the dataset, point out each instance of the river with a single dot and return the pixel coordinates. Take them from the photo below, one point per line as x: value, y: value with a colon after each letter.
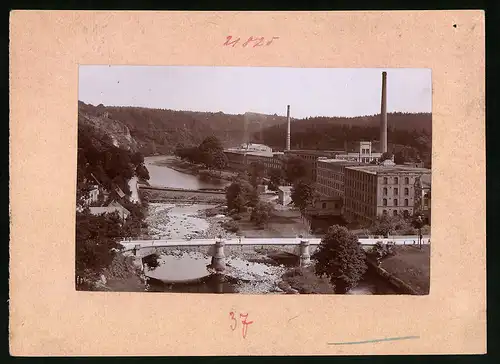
x: 162, y: 175
x: 187, y: 272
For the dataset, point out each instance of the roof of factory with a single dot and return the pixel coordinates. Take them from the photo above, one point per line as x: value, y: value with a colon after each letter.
x: 314, y: 151
x: 339, y: 161
x: 383, y: 169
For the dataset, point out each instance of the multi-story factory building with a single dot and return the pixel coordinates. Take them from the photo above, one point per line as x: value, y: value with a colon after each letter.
x: 385, y: 189
x: 311, y: 157
x: 240, y: 158
x: 330, y: 176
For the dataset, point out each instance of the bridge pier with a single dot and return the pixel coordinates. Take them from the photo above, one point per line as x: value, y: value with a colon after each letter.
x: 218, y: 257
x: 305, y: 256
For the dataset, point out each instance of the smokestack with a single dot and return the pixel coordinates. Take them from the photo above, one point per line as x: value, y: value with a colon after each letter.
x: 288, y: 127
x: 383, y: 115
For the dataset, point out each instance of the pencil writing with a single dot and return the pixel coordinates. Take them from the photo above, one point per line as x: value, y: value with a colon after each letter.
x: 252, y: 41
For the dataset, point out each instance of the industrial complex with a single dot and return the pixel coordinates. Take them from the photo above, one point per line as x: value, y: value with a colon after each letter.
x: 355, y: 182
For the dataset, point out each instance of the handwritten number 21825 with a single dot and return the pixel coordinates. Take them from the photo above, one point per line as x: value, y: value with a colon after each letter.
x: 244, y: 322
x: 254, y: 41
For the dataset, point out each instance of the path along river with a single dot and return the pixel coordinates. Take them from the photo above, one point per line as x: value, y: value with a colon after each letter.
x: 177, y: 273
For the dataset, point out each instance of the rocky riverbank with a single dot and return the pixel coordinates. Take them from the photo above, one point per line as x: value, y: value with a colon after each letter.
x: 184, y: 221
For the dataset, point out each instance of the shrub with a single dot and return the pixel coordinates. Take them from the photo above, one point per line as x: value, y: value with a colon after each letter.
x: 380, y: 251
x: 236, y: 217
x: 261, y: 214
x: 305, y: 280
x: 231, y: 226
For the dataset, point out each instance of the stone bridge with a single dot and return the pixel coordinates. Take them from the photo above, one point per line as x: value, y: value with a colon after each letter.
x: 218, y: 248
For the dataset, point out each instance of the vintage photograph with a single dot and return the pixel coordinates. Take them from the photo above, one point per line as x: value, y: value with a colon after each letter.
x: 264, y: 180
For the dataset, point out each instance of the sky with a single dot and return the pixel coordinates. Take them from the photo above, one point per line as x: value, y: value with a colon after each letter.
x: 268, y: 90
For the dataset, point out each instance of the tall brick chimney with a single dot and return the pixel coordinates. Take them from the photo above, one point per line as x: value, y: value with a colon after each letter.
x: 383, y: 115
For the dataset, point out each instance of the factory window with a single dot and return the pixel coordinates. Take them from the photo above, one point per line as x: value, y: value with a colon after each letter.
x: 396, y: 191
x: 324, y: 205
x: 385, y: 180
x: 396, y: 180
x: 406, y: 202
x: 384, y: 212
x: 384, y: 201
x: 395, y: 212
x: 395, y: 202
x: 406, y: 191
x: 407, y: 180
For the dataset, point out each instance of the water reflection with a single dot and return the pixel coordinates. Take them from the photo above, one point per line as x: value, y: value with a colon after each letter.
x: 160, y: 175
x: 180, y: 268
x: 215, y: 283
x: 189, y: 273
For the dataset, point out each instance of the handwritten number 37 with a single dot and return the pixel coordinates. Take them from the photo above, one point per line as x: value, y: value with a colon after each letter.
x: 244, y: 322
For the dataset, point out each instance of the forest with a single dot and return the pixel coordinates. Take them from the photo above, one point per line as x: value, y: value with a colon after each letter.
x: 160, y: 131
x: 408, y: 134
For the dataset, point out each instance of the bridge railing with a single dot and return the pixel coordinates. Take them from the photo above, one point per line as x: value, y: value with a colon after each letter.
x: 131, y: 244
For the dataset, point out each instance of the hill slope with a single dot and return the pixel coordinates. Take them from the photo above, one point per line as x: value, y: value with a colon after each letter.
x: 159, y: 131
x: 332, y: 133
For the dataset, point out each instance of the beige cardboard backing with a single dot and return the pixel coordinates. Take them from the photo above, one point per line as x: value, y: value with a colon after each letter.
x: 47, y: 315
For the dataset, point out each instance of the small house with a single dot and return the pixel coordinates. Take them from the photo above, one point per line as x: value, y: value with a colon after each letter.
x: 284, y: 195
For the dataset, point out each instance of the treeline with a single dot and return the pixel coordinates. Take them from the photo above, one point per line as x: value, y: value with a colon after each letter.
x: 408, y: 134
x: 210, y: 153
x: 158, y: 131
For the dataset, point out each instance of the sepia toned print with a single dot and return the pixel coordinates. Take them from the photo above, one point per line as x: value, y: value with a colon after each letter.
x: 254, y: 180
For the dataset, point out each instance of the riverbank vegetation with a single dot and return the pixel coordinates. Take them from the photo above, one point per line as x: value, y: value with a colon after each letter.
x: 305, y: 280
x: 395, y: 225
x: 411, y: 264
x: 209, y: 153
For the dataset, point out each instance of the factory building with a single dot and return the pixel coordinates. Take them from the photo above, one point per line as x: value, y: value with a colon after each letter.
x: 330, y: 176
x: 362, y: 152
x: 385, y: 189
x: 241, y: 157
x: 311, y: 157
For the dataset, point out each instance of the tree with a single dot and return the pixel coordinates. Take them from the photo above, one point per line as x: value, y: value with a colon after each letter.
x: 137, y: 158
x: 142, y: 172
x: 302, y: 195
x: 212, y: 152
x: 261, y: 213
x: 219, y: 160
x: 276, y: 176
x: 418, y: 223
x: 272, y: 186
x: 256, y: 172
x: 179, y: 150
x: 241, y: 194
x: 385, y: 156
x: 341, y: 258
x: 296, y: 169
x: 96, y: 239
x: 389, y: 225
